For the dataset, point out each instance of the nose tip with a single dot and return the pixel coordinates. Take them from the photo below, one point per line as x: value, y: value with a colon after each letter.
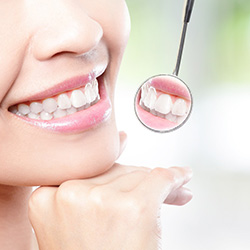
x: 69, y: 36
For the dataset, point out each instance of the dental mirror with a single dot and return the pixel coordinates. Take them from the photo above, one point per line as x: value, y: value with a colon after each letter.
x: 164, y: 102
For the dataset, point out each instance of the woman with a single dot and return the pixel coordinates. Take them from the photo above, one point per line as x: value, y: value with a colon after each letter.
x: 59, y: 63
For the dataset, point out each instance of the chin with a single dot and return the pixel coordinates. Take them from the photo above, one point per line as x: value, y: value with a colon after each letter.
x: 56, y: 158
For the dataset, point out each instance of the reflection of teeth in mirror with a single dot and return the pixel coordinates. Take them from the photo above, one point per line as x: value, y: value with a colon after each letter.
x: 162, y: 106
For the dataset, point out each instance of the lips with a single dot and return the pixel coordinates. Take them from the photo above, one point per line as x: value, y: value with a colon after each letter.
x: 163, y: 103
x: 82, y: 120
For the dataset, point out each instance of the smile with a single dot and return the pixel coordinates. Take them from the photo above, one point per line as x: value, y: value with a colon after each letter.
x: 163, y: 103
x: 73, y: 110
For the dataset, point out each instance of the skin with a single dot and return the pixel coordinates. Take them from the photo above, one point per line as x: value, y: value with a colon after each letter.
x: 44, y: 43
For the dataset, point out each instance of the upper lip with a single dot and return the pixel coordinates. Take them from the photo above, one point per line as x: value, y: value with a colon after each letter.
x: 66, y: 85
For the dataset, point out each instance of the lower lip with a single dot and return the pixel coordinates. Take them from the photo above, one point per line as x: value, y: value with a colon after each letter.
x: 152, y: 121
x: 81, y: 120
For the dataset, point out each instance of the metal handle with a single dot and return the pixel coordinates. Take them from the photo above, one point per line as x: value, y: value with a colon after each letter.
x: 188, y: 7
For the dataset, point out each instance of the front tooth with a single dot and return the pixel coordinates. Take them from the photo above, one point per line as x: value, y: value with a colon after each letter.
x: 163, y: 104
x: 49, y: 105
x: 46, y: 116
x: 90, y: 93
x: 150, y: 98
x: 64, y: 101
x: 36, y: 107
x: 179, y: 107
x: 78, y: 99
x: 23, y: 109
x: 60, y: 113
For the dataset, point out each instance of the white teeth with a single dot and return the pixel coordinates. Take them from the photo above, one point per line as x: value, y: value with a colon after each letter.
x: 163, y: 104
x: 144, y: 91
x: 19, y: 114
x: 179, y: 107
x: 171, y: 117
x: 23, y: 109
x: 60, y: 113
x: 33, y: 116
x: 63, y: 101
x: 36, y: 107
x: 61, y: 106
x: 78, y: 99
x: 49, y: 105
x: 90, y: 93
x: 46, y: 116
x: 95, y: 87
x: 71, y: 111
x: 150, y: 98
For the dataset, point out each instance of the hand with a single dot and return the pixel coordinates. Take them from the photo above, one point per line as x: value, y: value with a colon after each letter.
x: 118, y: 209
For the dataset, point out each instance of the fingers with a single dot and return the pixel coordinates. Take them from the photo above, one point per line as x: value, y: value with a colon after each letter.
x: 128, y: 182
x: 179, y: 197
x: 160, y: 183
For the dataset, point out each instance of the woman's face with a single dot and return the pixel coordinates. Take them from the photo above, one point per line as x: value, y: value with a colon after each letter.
x: 54, y: 55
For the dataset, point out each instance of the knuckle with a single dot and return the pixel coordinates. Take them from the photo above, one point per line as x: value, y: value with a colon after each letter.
x: 38, y: 200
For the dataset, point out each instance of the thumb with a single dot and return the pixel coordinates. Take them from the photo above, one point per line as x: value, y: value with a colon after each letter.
x: 123, y: 142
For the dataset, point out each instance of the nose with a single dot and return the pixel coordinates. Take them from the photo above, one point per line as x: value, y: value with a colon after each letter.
x: 70, y: 31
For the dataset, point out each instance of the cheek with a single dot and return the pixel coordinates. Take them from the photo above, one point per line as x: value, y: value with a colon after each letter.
x: 13, y: 42
x: 44, y: 159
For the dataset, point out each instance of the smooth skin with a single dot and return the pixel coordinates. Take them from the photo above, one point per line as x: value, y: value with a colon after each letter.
x: 85, y: 199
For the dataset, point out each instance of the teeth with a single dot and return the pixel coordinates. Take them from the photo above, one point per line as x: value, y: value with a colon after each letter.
x: 33, y: 116
x: 60, y: 113
x: 71, y: 111
x: 49, y: 105
x: 179, y: 107
x: 150, y: 98
x: 63, y: 101
x: 163, y: 104
x: 95, y: 87
x: 171, y: 117
x: 61, y: 105
x: 90, y: 92
x: 36, y: 107
x: 78, y: 99
x: 144, y: 91
x: 46, y: 116
x: 23, y: 109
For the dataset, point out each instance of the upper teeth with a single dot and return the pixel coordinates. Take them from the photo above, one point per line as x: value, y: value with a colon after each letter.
x: 162, y: 105
x: 62, y: 105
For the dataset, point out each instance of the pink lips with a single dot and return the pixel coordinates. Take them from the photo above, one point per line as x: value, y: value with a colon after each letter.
x: 173, y: 86
x: 79, y: 121
x: 168, y: 84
